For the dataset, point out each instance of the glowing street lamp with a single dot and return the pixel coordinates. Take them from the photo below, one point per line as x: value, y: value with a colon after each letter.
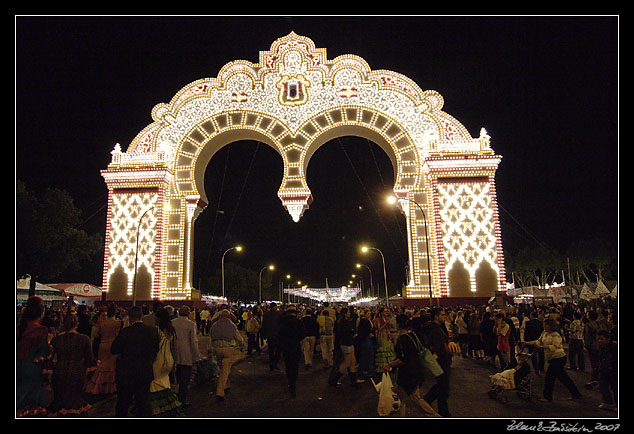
x: 392, y: 200
x: 370, y: 273
x: 354, y: 276
x: 237, y: 248
x: 365, y: 249
x: 288, y: 276
x: 270, y: 267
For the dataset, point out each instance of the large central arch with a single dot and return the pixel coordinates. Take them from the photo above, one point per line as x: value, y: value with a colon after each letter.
x: 295, y: 100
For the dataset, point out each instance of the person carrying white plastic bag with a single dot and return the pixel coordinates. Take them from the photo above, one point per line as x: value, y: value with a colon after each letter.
x: 389, y: 402
x: 409, y: 364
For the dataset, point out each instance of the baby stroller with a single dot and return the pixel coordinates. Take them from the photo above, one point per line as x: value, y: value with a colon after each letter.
x: 517, y: 378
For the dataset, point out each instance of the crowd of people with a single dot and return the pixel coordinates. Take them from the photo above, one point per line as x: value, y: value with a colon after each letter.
x: 145, y: 354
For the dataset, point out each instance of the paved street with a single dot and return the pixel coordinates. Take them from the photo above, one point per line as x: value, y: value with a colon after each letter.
x: 257, y: 392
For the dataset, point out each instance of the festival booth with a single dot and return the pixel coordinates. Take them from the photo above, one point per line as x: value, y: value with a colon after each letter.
x: 48, y: 294
x: 592, y: 291
x: 82, y: 293
x: 531, y: 295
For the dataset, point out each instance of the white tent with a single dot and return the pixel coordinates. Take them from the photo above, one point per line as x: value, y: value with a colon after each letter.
x: 46, y: 293
x: 613, y: 293
x: 601, y: 290
x: 586, y: 293
x: 82, y: 293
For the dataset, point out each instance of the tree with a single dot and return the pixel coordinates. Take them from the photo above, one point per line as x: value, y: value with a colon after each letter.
x: 591, y: 259
x: 49, y: 241
x: 534, y: 266
x: 241, y: 284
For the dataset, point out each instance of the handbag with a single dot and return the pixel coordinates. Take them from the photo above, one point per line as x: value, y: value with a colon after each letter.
x: 389, y: 401
x: 427, y: 359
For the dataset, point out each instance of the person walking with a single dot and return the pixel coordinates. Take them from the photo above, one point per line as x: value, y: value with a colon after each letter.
x: 503, y: 332
x: 73, y: 357
x: 205, y: 316
x: 291, y: 336
x: 365, y: 345
x: 32, y: 350
x: 227, y: 345
x: 608, y: 371
x: 163, y: 400
x: 488, y: 337
x: 410, y: 369
x: 252, y: 329
x: 462, y: 331
x: 437, y: 340
x: 552, y: 342
x: 346, y: 329
x: 187, y: 352
x: 476, y: 349
x: 150, y: 319
x: 530, y: 330
x: 326, y: 337
x: 311, y: 329
x: 575, y: 344
x: 591, y: 342
x: 102, y: 381
x: 270, y: 331
x: 382, y: 331
x: 137, y: 346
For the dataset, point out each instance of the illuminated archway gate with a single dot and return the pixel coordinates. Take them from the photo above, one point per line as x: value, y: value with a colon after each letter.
x: 295, y: 100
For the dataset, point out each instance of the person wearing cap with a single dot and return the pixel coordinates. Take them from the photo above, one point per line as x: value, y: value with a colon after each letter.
x: 187, y: 354
x: 227, y: 345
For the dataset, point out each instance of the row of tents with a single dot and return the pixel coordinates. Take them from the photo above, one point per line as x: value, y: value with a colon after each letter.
x: 587, y: 292
x: 82, y: 293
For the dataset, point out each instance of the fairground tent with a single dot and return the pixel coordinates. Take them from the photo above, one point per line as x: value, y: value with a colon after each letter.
x: 46, y: 293
x: 82, y: 293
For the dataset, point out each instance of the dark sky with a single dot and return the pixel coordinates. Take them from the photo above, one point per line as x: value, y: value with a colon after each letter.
x: 545, y: 88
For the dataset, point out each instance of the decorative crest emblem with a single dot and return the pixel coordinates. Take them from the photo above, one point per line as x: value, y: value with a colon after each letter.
x: 293, y: 90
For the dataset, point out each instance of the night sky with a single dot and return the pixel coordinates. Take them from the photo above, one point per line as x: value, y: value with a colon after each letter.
x: 545, y: 89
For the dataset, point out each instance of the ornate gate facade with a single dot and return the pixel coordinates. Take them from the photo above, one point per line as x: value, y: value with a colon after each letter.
x: 295, y: 99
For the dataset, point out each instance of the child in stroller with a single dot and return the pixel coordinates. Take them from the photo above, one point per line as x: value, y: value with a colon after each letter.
x: 516, y: 378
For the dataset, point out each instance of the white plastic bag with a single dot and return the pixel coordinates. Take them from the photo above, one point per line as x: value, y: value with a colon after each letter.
x: 389, y: 401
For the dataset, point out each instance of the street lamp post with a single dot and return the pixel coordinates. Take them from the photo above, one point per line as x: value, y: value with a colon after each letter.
x: 392, y: 200
x: 371, y: 292
x: 354, y: 276
x: 365, y: 249
x: 222, y: 271
x: 136, y: 255
x: 288, y: 276
x: 270, y: 267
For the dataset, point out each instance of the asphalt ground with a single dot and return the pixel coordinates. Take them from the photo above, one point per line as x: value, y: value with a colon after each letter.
x: 258, y: 393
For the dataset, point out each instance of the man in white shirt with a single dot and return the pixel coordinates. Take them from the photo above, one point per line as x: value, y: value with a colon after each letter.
x: 204, y: 320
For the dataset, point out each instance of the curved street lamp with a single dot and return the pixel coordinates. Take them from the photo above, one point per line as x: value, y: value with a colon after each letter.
x: 270, y: 267
x: 364, y: 249
x: 136, y: 253
x: 392, y: 200
x: 239, y: 249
